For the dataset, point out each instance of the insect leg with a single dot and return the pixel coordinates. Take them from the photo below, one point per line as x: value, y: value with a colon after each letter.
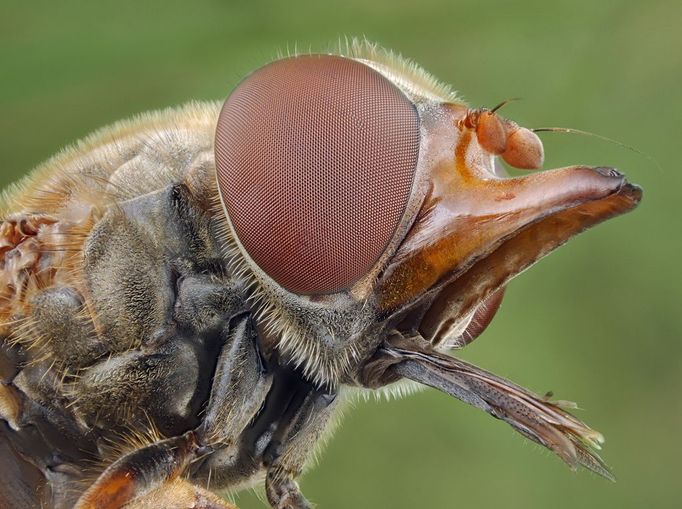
x: 240, y: 385
x: 291, y: 446
x: 149, y: 478
x: 146, y: 474
x: 140, y: 472
x: 536, y: 418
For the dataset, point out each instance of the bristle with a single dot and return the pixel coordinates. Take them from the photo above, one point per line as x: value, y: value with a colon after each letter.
x: 401, y: 68
x: 114, y: 448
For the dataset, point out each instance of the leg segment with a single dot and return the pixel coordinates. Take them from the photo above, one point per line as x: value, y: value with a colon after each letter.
x: 149, y: 479
x: 139, y: 473
x: 148, y: 476
x: 291, y: 445
x: 536, y: 418
x: 240, y: 385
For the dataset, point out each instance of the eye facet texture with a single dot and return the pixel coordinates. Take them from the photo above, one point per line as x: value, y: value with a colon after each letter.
x: 315, y: 157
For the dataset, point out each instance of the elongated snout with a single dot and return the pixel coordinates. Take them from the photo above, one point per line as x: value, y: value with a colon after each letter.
x: 469, y: 212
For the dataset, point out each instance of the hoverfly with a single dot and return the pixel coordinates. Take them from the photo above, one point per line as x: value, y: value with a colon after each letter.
x: 188, y: 297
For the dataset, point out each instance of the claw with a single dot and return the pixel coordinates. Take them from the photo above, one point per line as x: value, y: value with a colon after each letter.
x: 284, y: 493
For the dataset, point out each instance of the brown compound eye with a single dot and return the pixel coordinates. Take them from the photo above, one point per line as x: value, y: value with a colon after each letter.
x: 315, y: 158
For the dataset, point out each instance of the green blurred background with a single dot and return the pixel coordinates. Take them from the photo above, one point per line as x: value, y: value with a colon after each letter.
x: 598, y: 322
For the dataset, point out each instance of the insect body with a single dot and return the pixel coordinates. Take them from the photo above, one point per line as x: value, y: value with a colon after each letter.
x: 188, y: 297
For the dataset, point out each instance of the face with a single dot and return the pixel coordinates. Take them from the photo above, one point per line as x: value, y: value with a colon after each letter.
x: 219, y: 278
x: 364, y: 199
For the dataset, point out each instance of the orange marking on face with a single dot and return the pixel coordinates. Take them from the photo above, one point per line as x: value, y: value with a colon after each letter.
x: 460, y: 156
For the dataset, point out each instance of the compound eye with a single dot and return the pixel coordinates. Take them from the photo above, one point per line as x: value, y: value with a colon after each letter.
x: 315, y: 158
